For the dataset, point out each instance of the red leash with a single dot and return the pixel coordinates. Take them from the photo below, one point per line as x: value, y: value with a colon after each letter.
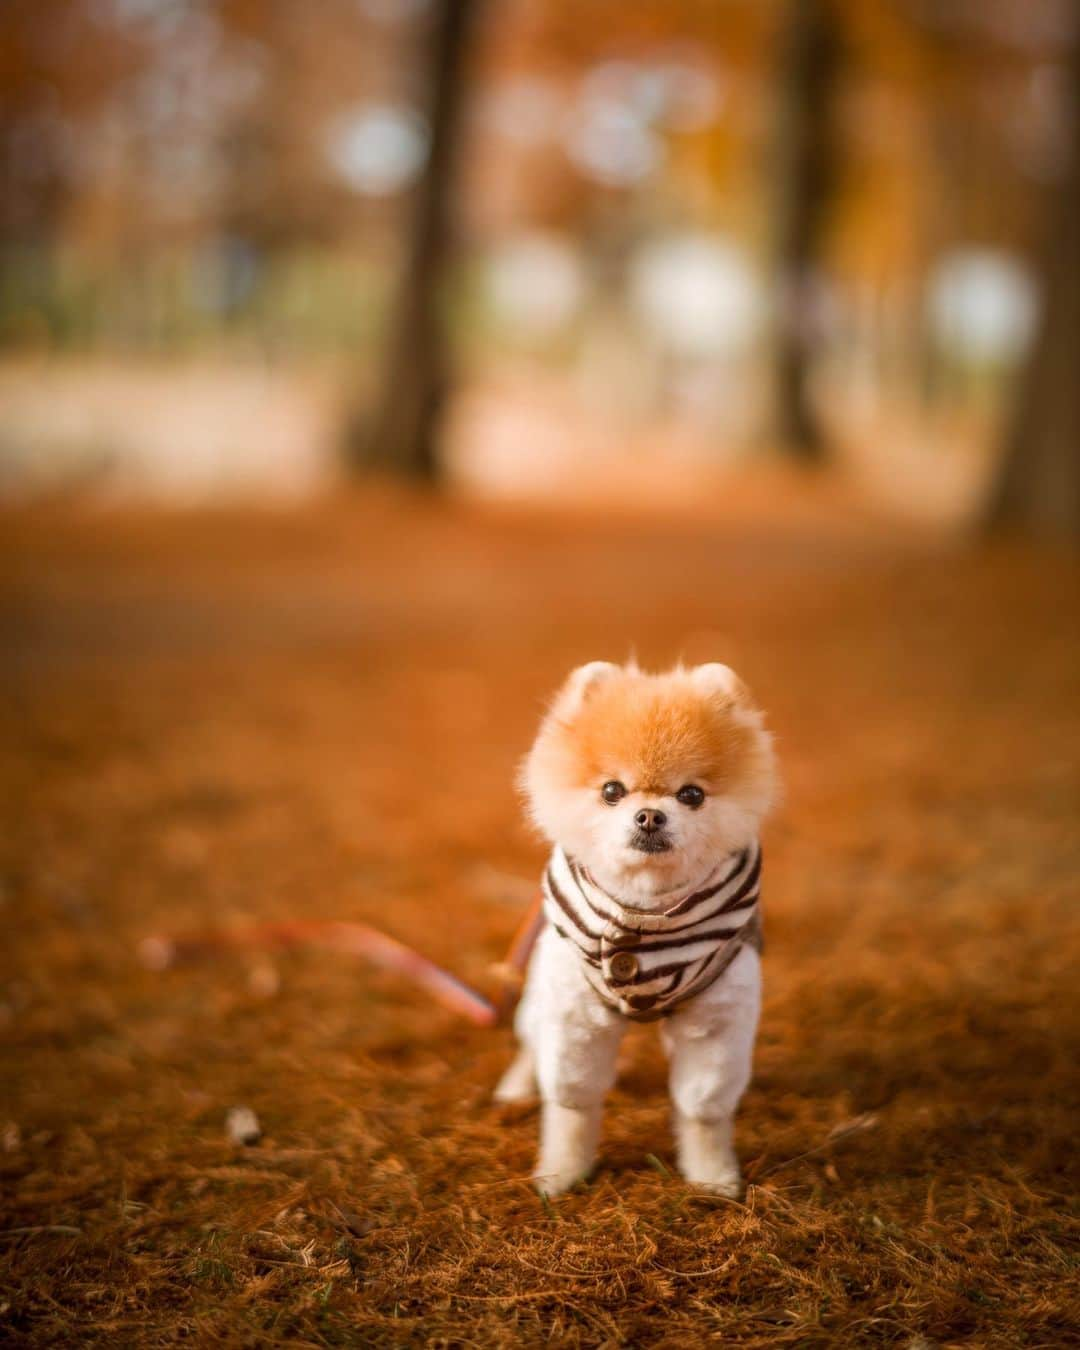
x: 159, y: 953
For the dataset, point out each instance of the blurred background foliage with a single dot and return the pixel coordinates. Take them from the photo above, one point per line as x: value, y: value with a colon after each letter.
x: 248, y: 244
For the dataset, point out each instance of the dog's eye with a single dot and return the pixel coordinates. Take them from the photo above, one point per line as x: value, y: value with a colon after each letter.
x: 690, y: 795
x: 613, y: 792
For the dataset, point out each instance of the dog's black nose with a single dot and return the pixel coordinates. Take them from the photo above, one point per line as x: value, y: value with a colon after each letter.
x: 650, y: 820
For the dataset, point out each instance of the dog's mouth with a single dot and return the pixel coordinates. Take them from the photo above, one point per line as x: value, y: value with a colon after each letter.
x: 654, y: 842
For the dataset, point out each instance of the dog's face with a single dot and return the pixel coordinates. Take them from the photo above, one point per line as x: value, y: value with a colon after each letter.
x: 649, y: 779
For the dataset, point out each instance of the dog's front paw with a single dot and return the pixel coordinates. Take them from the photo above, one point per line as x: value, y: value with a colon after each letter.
x: 567, y: 1147
x: 729, y: 1184
x: 553, y: 1181
x: 707, y: 1159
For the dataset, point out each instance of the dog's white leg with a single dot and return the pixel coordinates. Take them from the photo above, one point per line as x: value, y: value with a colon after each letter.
x: 711, y: 1044
x: 518, y: 1083
x: 576, y: 1065
x: 576, y: 1042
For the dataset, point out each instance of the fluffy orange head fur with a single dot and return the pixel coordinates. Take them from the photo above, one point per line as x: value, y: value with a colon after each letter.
x: 654, y: 734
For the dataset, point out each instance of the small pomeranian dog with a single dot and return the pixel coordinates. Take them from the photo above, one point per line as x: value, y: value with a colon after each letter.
x: 652, y: 790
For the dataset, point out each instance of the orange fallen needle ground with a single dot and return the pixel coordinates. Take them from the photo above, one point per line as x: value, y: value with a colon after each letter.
x: 229, y: 721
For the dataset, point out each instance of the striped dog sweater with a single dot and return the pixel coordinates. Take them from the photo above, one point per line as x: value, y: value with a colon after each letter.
x: 643, y: 963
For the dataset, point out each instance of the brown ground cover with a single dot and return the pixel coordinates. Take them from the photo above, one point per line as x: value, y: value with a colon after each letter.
x: 213, y: 718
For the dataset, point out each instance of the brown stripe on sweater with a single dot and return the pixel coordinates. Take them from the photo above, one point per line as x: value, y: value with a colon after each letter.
x: 736, y: 902
x: 647, y: 976
x: 567, y: 908
x: 717, y: 934
x: 699, y: 897
x: 644, y: 1002
x: 710, y: 977
x: 579, y: 872
x: 707, y: 893
x: 583, y: 879
x: 584, y: 952
x: 667, y: 930
x: 652, y: 1013
x: 739, y: 899
x: 605, y: 998
x: 695, y: 921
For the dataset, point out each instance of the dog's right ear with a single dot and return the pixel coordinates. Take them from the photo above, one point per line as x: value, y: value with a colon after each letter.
x: 579, y: 684
x: 722, y: 680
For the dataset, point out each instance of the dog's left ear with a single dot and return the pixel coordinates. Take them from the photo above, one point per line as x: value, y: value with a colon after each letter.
x: 721, y: 680
x: 579, y: 684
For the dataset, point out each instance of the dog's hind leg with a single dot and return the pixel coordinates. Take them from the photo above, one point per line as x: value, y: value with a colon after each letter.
x: 518, y: 1083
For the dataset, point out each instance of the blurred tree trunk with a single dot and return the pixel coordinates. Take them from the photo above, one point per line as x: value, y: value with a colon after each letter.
x: 804, y: 147
x: 1038, y: 484
x: 402, y: 433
